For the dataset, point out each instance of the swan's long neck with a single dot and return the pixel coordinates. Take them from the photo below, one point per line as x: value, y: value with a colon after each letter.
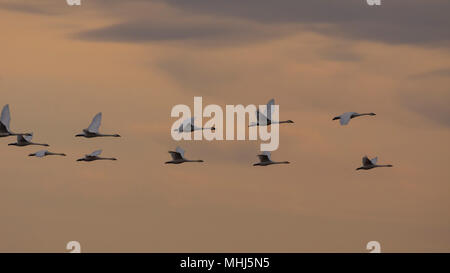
x: 106, y: 158
x: 38, y: 144
x: 281, y: 162
x: 280, y: 122
x: 388, y: 165
x: 199, y: 160
x: 108, y: 135
x: 363, y: 114
x: 61, y: 154
x: 19, y: 134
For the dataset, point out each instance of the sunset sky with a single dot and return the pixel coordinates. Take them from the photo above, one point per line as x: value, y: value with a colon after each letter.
x: 134, y: 60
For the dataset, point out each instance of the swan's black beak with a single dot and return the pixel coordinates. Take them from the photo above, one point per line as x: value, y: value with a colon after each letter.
x: 335, y: 118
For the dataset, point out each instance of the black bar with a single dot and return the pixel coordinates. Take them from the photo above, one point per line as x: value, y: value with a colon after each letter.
x: 225, y: 262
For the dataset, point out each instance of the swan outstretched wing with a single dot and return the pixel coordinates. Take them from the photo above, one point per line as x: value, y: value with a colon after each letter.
x: 374, y: 160
x: 178, y: 155
x: 6, y: 117
x: 180, y: 151
x: 366, y: 161
x: 175, y: 155
x: 186, y: 125
x: 264, y: 157
x: 345, y: 118
x: 96, y: 153
x: 269, y: 109
x: 24, y: 138
x: 95, y: 124
x: 262, y: 119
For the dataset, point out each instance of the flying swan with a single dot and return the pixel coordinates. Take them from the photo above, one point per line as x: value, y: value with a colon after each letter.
x: 266, y: 118
x: 5, y: 119
x: 44, y: 153
x: 25, y: 140
x: 92, y: 130
x: 345, y: 118
x: 265, y: 160
x: 188, y: 126
x: 178, y: 157
x: 370, y: 164
x: 95, y: 156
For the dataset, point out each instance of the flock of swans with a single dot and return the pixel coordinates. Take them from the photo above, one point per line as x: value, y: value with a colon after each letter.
x: 25, y: 139
x: 265, y: 120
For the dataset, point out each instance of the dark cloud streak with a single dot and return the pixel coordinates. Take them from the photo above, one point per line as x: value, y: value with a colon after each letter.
x: 399, y: 21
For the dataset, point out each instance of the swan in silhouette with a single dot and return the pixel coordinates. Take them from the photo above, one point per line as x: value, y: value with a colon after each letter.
x: 345, y: 118
x: 265, y: 160
x: 25, y: 140
x: 370, y: 164
x: 44, y: 153
x: 188, y: 126
x: 95, y: 156
x: 178, y: 157
x: 266, y: 118
x: 5, y: 120
x: 92, y: 130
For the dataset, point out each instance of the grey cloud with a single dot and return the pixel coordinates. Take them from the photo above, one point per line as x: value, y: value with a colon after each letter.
x: 201, y: 32
x: 42, y: 7
x: 400, y: 21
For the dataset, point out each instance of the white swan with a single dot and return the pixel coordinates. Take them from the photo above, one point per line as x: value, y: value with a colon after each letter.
x: 266, y: 118
x: 92, y: 130
x: 43, y: 153
x: 178, y: 157
x: 265, y: 160
x: 370, y: 164
x: 188, y: 126
x: 5, y: 120
x: 25, y: 140
x: 345, y: 118
x: 95, y: 156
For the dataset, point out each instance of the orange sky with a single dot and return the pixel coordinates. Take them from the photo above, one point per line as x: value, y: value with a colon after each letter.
x: 134, y: 61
